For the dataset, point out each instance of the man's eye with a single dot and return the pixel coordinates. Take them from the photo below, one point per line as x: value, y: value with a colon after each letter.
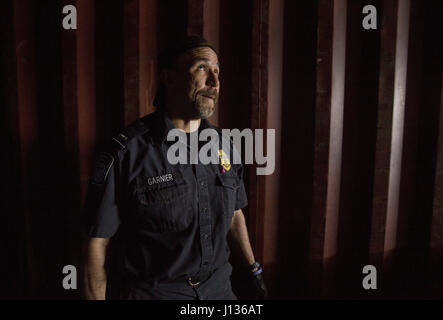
x: 201, y: 67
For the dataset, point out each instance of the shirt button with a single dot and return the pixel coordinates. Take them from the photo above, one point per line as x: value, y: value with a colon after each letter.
x: 205, y: 236
x: 202, y: 183
x: 204, y: 209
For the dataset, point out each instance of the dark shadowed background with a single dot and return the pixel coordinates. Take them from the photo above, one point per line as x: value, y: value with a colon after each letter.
x: 358, y: 117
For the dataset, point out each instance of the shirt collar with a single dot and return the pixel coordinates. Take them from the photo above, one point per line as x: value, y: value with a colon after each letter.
x: 163, y: 124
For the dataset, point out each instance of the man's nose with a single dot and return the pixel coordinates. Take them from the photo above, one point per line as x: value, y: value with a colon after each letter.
x: 212, y: 79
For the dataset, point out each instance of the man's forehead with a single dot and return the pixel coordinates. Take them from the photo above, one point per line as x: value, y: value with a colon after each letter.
x: 201, y: 53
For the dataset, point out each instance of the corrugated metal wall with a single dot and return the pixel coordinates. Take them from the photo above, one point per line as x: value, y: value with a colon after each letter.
x: 358, y: 119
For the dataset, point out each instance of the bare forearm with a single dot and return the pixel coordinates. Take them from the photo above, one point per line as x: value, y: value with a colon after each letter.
x: 95, y: 285
x: 95, y: 273
x: 239, y: 234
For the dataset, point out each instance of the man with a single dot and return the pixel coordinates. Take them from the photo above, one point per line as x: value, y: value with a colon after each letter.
x: 159, y: 230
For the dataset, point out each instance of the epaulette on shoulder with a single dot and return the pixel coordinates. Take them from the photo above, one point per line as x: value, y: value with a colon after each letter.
x: 135, y: 129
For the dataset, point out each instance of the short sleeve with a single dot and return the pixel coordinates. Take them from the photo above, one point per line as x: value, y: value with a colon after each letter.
x: 102, y: 198
x: 242, y: 200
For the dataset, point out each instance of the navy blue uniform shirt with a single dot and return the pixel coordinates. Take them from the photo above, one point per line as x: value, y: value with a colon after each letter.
x: 167, y: 221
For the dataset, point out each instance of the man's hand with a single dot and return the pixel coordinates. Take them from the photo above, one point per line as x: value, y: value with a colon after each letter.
x: 259, y: 283
x: 260, y: 286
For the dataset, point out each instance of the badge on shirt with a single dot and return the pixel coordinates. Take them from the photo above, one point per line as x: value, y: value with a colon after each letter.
x: 224, y: 160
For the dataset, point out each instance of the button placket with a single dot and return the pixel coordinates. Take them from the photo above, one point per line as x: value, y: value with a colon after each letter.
x: 204, y: 219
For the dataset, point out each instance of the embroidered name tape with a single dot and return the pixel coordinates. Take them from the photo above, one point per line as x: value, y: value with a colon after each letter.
x: 159, y: 179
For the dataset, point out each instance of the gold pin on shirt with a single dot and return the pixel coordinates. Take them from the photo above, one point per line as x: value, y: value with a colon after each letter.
x: 224, y: 161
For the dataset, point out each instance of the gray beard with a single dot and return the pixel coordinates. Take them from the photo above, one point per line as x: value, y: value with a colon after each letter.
x: 201, y: 111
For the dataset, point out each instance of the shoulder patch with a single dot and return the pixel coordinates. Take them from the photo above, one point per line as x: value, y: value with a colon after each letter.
x: 102, y: 167
x: 121, y: 140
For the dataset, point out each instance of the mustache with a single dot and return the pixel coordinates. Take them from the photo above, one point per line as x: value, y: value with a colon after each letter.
x: 210, y: 93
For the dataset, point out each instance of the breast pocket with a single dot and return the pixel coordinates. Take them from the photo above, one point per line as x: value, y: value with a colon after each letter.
x: 229, y: 186
x: 163, y: 207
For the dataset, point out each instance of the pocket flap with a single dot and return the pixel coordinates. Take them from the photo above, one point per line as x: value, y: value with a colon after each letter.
x: 228, y: 181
